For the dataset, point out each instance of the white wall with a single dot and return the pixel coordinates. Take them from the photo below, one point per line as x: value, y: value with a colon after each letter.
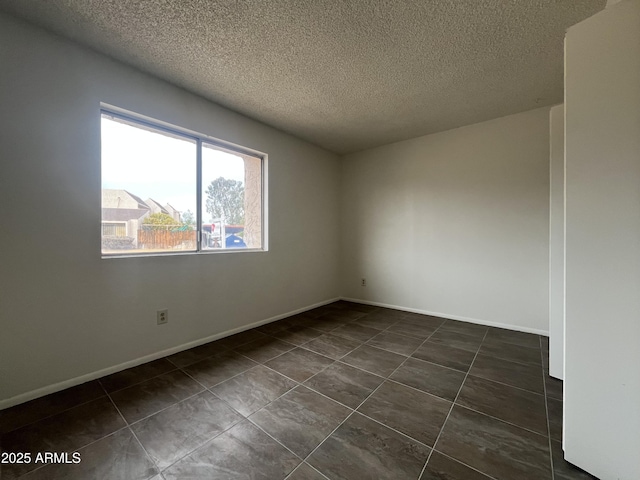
x: 65, y: 312
x: 455, y: 223
x: 602, y: 356
x: 556, y: 244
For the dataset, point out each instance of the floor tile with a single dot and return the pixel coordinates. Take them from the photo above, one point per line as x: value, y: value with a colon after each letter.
x: 52, y: 404
x: 393, y: 342
x: 422, y: 320
x: 131, y: 376
x: 118, y: 456
x: 456, y: 340
x: 345, y: 384
x: 409, y: 411
x: 412, y: 329
x: 241, y: 338
x: 465, y: 328
x: 329, y: 322
x: 513, y: 353
x: 356, y: 332
x: 529, y: 340
x: 196, y: 354
x: 324, y: 309
x: 441, y: 467
x: 528, y: 377
x: 360, y: 307
x: 302, y: 320
x: 300, y: 419
x: 564, y: 470
x: 441, y: 381
x: 553, y: 387
x: 299, y: 364
x: 374, y: 360
x: 149, y: 397
x: 345, y: 315
x: 497, y: 430
x: 172, y: 433
x: 363, y: 449
x: 520, y: 407
x: 378, y: 320
x: 494, y: 447
x: 253, y: 389
x: 65, y: 432
x: 264, y: 349
x: 554, y: 408
x: 273, y: 327
x: 332, y: 346
x: 306, y: 472
x: 444, y: 355
x: 243, y: 452
x: 214, y: 370
x: 298, y: 335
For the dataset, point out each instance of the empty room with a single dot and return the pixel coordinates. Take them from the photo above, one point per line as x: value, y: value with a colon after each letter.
x: 330, y: 239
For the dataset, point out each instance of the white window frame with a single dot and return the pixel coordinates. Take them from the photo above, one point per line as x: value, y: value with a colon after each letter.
x: 199, y: 138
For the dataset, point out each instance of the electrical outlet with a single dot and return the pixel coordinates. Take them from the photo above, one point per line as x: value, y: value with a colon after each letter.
x: 363, y: 282
x: 162, y: 316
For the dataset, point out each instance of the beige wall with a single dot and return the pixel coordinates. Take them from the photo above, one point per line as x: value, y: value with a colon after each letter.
x: 455, y: 223
x: 65, y: 312
x: 602, y: 346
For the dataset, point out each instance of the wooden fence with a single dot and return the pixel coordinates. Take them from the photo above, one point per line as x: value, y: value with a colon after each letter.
x: 166, y: 240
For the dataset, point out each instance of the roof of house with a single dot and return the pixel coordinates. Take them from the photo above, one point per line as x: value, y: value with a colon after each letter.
x: 109, y: 194
x: 123, y: 214
x: 151, y: 202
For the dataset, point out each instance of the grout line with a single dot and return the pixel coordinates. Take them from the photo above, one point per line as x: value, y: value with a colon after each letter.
x: 242, y: 419
x: 395, y: 430
x: 145, y: 450
x: 226, y: 379
x: 438, y: 364
x: 334, y: 361
x: 308, y: 465
x: 140, y: 382
x: 128, y: 426
x: 161, y: 410
x: 274, y: 438
x: 452, y: 405
x: 391, y: 380
x: 362, y: 403
x: 546, y: 407
x: 269, y: 403
x: 501, y: 420
x: 491, y: 355
x: 53, y: 414
x: 26, y: 474
x: 208, y: 390
x: 299, y: 384
x: 468, y: 466
x: 533, y: 365
x: 506, y: 384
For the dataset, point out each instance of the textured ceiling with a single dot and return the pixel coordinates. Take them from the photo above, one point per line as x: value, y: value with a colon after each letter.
x: 346, y: 75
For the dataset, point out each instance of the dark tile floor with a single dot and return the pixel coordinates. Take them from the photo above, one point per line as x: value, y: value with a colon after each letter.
x: 345, y: 391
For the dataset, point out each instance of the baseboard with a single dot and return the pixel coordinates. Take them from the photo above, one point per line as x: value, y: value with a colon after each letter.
x: 487, y: 323
x: 56, y: 387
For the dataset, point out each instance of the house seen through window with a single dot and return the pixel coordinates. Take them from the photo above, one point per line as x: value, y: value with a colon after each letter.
x: 167, y: 191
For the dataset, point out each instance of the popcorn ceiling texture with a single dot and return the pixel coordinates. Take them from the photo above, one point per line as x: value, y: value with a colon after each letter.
x: 345, y: 75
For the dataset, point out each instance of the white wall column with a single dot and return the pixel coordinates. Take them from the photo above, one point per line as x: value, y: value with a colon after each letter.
x: 556, y: 243
x: 602, y: 346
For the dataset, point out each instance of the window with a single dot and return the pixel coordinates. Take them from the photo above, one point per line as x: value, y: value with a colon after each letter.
x: 166, y: 190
